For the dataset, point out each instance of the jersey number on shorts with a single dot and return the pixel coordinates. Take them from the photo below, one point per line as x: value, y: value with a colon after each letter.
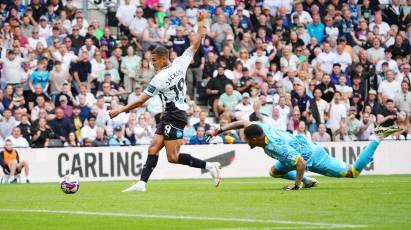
x: 178, y: 88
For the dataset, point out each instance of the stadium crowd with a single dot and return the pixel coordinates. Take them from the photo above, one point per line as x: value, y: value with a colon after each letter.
x: 330, y: 70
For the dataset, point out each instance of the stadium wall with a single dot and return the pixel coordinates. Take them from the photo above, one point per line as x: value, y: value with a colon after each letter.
x: 125, y: 163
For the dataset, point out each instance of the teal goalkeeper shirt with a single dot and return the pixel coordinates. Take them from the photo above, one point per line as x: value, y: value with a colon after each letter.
x: 284, y: 147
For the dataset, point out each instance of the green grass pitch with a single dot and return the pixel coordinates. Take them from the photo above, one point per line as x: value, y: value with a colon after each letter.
x: 368, y: 202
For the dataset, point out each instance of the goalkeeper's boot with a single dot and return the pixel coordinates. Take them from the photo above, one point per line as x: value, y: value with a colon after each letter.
x: 140, y: 186
x: 214, y: 170
x: 310, y: 182
x: 384, y: 132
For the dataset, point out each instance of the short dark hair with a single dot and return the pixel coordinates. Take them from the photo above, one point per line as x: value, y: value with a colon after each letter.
x: 253, y: 130
x: 161, y: 51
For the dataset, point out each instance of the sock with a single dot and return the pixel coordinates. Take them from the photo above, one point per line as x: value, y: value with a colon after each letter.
x: 365, y: 156
x: 291, y: 175
x: 187, y: 159
x: 148, y: 168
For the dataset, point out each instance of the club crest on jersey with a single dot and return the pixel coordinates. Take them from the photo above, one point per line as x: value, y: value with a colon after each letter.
x: 179, y: 134
x: 151, y: 88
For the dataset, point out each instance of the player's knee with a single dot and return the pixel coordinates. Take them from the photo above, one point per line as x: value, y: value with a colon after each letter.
x: 172, y: 158
x: 274, y: 173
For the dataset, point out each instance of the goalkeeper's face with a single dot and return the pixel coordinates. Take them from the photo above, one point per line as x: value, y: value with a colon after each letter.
x: 255, y: 141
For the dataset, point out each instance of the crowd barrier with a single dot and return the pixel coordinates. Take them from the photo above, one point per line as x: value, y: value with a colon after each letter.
x: 125, y: 163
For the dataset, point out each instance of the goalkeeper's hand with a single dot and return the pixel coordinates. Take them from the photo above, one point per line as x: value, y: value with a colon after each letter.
x: 210, y: 134
x: 291, y: 187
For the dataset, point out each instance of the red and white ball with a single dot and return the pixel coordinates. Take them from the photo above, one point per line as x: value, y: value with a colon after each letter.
x: 69, y: 184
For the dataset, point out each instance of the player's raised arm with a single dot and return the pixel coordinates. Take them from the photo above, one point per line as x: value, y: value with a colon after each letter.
x: 196, y: 39
x: 231, y: 126
x: 137, y: 103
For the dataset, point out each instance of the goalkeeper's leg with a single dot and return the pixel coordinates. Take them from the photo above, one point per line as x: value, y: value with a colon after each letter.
x: 279, y: 170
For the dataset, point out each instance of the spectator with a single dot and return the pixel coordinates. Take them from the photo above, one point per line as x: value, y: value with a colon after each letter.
x: 244, y: 109
x: 12, y: 71
x: 199, y: 138
x: 10, y: 160
x: 341, y: 134
x: 72, y: 140
x: 219, y: 31
x: 389, y: 87
x: 89, y: 131
x: 366, y: 127
x: 376, y: 52
x: 337, y: 112
x: 118, y: 139
x: 145, y: 73
x: 25, y: 127
x: 388, y: 114
x: 57, y: 78
x: 41, y: 134
x: 302, y: 131
x: 17, y: 139
x: 352, y: 123
x: 326, y: 59
x: 60, y: 125
x: 321, y: 135
x: 77, y: 40
x: 101, y: 138
x: 125, y: 14
x: 317, y: 106
x: 129, y: 66
x: 228, y: 100
x: 40, y: 76
x: 316, y: 28
x: 299, y: 97
x: 216, y: 87
x: 68, y: 109
x: 403, y: 99
x: 327, y: 88
x: 144, y: 131
x: 105, y: 41
x: 82, y: 71
x: 138, y: 24
x: 7, y: 123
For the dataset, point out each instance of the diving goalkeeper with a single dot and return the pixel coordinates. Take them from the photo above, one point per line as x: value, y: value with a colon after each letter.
x: 295, y: 154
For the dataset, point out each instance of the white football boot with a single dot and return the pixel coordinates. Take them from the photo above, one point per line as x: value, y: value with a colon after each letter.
x: 140, y: 186
x: 310, y: 182
x: 214, y: 170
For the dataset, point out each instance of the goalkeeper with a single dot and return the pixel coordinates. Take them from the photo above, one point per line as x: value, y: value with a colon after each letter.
x: 295, y: 154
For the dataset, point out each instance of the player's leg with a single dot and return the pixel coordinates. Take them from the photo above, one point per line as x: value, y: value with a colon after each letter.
x: 174, y: 156
x: 279, y: 170
x: 152, y: 158
x: 12, y: 171
x: 25, y: 165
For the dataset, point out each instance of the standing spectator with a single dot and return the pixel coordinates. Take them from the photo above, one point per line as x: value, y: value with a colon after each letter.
x: 199, y: 138
x: 129, y: 66
x: 337, y: 112
x: 343, y: 57
x: 12, y: 69
x: 76, y: 39
x: 403, y: 99
x: 327, y: 88
x: 139, y: 24
x: 145, y: 73
x: 40, y: 76
x: 316, y: 29
x: 219, y: 31
x: 35, y: 38
x: 318, y: 107
x: 7, y: 123
x: 125, y: 14
x: 376, y: 52
x: 299, y: 98
x: 108, y: 41
x: 118, y: 139
x: 17, y: 139
x: 326, y: 59
x: 82, y: 72
x: 60, y: 125
x: 57, y: 78
x: 321, y: 135
x: 25, y: 127
x: 41, y: 134
x: 10, y: 160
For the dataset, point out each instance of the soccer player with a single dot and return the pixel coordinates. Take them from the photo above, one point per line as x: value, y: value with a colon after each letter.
x: 295, y: 154
x: 169, y: 82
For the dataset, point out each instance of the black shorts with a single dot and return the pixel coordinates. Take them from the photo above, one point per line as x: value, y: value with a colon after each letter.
x: 6, y: 170
x: 172, y: 124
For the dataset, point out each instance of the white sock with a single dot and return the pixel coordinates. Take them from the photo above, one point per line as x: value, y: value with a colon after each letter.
x: 11, y: 178
x: 376, y: 138
x: 209, y: 166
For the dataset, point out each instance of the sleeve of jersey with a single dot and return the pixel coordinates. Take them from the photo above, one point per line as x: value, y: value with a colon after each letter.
x: 292, y: 157
x: 185, y: 59
x: 153, y: 88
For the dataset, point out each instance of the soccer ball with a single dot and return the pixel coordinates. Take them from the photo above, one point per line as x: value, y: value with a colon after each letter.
x: 69, y: 184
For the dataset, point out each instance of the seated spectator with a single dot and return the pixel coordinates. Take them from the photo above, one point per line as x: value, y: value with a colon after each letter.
x: 366, y: 127
x: 58, y: 77
x: 199, y: 138
x: 118, y: 139
x: 294, y: 121
x: 41, y: 134
x: 17, y: 139
x: 108, y: 70
x: 244, y: 109
x: 67, y: 94
x: 341, y: 134
x: 321, y: 135
x: 216, y: 87
x: 317, y: 106
x: 7, y: 123
x: 144, y: 131
x: 90, y: 99
x: 145, y: 72
x: 72, y: 140
x: 389, y: 87
x: 101, y: 138
x: 40, y: 76
x: 298, y: 97
x: 61, y: 126
x: 302, y: 131
x: 228, y: 100
x: 81, y: 71
x: 202, y: 122
x: 67, y: 109
x: 228, y: 137
x: 275, y: 120
x: 133, y: 97
x: 403, y: 98
x: 89, y: 131
x: 10, y: 160
x: 25, y: 127
x: 402, y: 122
x: 388, y: 114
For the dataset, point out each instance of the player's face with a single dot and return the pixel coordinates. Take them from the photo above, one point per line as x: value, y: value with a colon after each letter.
x: 158, y: 61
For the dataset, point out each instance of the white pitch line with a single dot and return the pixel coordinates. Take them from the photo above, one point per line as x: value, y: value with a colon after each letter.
x: 201, y: 218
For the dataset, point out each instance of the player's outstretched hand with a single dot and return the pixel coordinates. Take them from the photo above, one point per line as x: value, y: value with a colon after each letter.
x: 114, y: 113
x: 210, y: 134
x: 291, y: 187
